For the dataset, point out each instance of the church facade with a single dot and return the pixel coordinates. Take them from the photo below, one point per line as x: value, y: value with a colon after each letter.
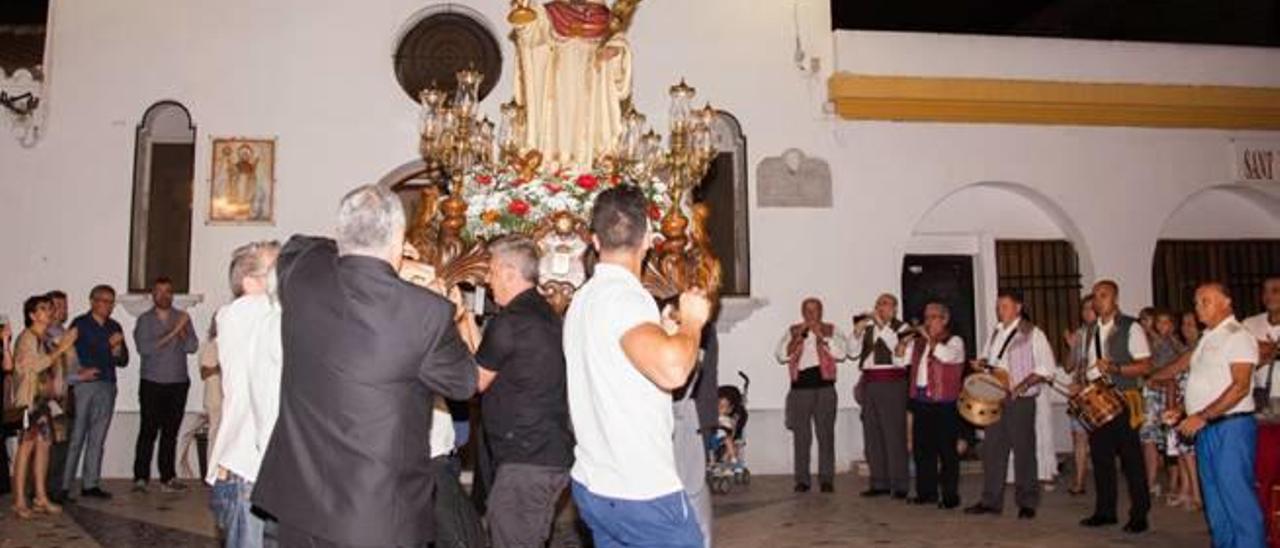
x: 319, y: 80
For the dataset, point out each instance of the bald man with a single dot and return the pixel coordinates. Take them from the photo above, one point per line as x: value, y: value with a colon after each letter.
x: 1220, y: 417
x: 810, y: 350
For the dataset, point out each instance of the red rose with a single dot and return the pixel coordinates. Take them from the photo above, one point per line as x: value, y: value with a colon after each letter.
x: 655, y: 212
x: 615, y: 179
x: 554, y: 188
x: 518, y: 182
x: 519, y: 208
x: 587, y: 182
x: 484, y: 180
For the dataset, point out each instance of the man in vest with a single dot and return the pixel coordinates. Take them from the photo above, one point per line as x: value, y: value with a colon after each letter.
x: 1118, y: 350
x: 810, y: 350
x: 1022, y: 351
x: 935, y: 361
x: 882, y: 394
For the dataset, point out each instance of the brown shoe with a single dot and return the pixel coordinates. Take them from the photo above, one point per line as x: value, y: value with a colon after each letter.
x: 22, y: 512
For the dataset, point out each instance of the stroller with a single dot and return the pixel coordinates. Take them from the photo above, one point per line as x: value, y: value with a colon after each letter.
x: 726, y: 462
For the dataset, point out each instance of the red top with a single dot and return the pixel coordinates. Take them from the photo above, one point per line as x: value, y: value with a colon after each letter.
x: 578, y: 20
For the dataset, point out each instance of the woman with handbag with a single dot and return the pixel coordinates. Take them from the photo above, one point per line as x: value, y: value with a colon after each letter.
x: 33, y: 367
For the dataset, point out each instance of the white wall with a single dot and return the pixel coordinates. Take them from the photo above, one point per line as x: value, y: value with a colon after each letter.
x: 317, y: 75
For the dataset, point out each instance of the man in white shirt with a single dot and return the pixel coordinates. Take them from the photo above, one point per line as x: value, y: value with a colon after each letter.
x: 621, y: 366
x: 1118, y: 348
x: 1022, y: 351
x: 1265, y: 327
x: 810, y: 350
x: 249, y: 354
x: 882, y: 394
x: 1220, y: 417
x: 935, y: 362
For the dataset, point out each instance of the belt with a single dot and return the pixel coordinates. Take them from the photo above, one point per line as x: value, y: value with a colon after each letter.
x: 1231, y: 416
x: 884, y: 375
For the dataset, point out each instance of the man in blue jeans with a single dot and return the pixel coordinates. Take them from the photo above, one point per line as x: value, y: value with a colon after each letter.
x: 621, y: 366
x: 1220, y: 417
x: 101, y: 349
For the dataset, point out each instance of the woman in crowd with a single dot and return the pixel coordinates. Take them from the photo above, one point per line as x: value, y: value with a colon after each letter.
x: 1076, y: 362
x: 1184, y: 487
x: 34, y: 369
x: 1188, y: 493
x: 6, y: 369
x: 1166, y: 347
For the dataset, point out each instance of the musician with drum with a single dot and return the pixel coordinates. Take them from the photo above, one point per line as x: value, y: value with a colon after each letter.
x: 1020, y: 354
x: 1119, y: 355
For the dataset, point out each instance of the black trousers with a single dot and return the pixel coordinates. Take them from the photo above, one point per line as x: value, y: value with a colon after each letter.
x: 5, y: 488
x: 163, y: 405
x: 935, y: 428
x: 1117, y: 438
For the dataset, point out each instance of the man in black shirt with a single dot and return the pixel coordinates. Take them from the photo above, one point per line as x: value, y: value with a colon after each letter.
x: 525, y: 409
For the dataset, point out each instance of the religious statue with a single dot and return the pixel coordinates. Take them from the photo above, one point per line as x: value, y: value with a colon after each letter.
x: 572, y: 77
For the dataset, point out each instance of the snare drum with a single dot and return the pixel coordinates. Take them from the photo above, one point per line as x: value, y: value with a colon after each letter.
x: 1096, y: 404
x: 982, y: 399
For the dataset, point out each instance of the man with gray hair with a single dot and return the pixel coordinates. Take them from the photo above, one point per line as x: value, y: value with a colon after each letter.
x: 526, y: 415
x: 249, y: 356
x: 935, y: 363
x: 364, y: 355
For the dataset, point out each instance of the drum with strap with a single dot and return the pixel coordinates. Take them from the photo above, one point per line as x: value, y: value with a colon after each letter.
x: 982, y: 398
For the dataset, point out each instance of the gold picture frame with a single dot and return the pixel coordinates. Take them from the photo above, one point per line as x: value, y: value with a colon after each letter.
x: 242, y: 181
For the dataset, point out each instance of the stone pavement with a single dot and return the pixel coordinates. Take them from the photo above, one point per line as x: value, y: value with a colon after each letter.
x: 764, y: 514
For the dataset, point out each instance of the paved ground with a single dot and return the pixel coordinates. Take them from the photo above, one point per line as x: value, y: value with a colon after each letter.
x: 765, y: 514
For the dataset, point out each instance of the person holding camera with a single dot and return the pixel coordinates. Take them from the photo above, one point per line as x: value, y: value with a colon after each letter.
x: 810, y: 350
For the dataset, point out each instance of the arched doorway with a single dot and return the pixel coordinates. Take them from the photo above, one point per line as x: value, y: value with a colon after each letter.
x: 1228, y: 233
x: 1013, y: 237
x: 163, y: 187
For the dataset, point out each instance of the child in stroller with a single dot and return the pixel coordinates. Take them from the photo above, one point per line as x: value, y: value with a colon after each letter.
x: 727, y: 464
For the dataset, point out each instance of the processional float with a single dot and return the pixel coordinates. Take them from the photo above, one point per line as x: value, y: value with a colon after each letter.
x: 570, y: 132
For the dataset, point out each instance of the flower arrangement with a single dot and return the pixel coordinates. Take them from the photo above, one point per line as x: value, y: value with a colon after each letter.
x: 505, y: 202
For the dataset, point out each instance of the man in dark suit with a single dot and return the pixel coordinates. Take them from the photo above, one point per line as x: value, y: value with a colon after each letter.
x: 364, y: 355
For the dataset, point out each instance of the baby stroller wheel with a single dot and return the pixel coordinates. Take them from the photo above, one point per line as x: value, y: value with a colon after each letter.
x: 721, y: 486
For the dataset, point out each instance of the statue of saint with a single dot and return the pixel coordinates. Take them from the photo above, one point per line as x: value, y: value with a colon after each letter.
x: 572, y: 76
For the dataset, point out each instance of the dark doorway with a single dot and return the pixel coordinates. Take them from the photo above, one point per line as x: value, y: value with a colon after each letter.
x: 944, y: 278
x: 163, y: 186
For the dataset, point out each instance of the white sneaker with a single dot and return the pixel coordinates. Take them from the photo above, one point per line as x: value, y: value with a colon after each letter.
x: 139, y: 486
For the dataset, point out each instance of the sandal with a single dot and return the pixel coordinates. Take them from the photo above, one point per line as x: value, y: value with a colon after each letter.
x: 1076, y: 492
x: 46, y: 507
x: 22, y: 512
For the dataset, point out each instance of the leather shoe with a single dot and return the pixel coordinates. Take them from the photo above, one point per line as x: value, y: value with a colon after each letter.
x: 948, y: 504
x: 979, y: 509
x: 1097, y: 521
x: 900, y: 495
x: 802, y: 488
x: 1026, y: 513
x: 95, y: 493
x: 827, y: 487
x: 874, y: 493
x: 1136, y: 525
x: 921, y: 501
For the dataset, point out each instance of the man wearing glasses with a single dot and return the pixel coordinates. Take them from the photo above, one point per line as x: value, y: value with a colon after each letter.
x: 101, y: 349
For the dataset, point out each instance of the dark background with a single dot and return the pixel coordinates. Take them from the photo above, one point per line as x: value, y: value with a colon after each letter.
x: 1231, y: 22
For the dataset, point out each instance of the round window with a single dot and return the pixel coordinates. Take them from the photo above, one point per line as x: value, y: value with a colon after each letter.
x: 440, y: 45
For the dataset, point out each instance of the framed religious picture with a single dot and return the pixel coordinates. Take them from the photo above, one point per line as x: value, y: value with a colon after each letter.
x: 242, y: 181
